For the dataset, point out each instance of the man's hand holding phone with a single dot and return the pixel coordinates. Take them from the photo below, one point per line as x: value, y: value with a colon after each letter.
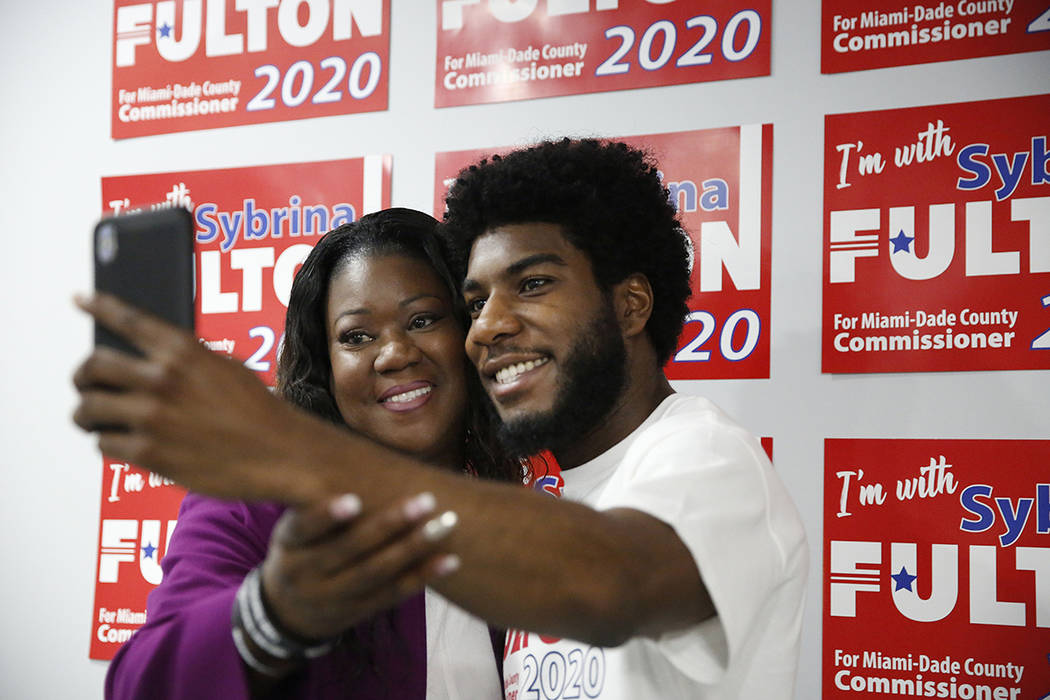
x: 146, y: 259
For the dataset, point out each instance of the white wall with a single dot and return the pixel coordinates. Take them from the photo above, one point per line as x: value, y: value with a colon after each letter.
x: 54, y: 146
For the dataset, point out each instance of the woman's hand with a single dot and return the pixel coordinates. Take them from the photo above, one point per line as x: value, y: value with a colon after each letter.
x: 328, y: 567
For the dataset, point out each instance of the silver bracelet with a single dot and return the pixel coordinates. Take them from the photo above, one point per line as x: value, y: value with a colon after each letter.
x: 251, y: 616
x: 245, y: 614
x: 249, y: 657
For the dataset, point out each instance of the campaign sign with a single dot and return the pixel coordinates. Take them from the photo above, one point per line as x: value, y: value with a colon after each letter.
x: 496, y: 51
x: 721, y: 182
x: 936, y: 569
x: 937, y: 238
x: 138, y: 515
x: 200, y: 64
x: 253, y: 226
x: 863, y: 34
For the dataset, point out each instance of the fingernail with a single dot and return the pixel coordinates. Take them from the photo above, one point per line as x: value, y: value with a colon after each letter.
x: 438, y: 527
x: 345, y: 507
x: 446, y: 565
x: 81, y: 298
x: 418, y: 506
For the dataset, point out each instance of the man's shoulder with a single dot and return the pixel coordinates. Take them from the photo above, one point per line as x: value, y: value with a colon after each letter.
x: 691, y: 436
x: 694, y: 418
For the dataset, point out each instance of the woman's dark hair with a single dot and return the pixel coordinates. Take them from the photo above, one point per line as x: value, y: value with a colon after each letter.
x: 304, y: 371
x: 610, y: 200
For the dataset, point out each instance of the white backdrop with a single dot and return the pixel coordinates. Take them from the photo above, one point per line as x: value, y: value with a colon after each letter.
x: 54, y: 146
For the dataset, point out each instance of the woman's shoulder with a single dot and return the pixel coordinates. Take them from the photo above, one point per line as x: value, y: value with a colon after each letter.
x: 200, y: 510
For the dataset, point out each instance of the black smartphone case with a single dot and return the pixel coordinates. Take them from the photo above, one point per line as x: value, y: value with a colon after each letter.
x: 147, y: 260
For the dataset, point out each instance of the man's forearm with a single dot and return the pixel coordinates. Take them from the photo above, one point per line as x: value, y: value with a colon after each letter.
x: 527, y: 561
x: 530, y: 561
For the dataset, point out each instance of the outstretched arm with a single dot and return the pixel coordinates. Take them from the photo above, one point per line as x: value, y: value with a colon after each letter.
x: 209, y: 424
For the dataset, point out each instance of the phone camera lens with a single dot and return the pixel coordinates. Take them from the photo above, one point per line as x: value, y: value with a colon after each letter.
x: 106, y: 243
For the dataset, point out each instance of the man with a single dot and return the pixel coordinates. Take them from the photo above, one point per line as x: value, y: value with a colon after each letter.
x: 576, y: 277
x: 675, y: 560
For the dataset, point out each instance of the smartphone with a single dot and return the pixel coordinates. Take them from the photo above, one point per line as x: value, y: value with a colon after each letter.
x: 146, y: 259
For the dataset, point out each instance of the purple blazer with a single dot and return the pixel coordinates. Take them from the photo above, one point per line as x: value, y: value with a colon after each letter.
x: 186, y: 650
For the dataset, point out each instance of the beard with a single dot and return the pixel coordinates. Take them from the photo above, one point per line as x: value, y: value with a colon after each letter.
x: 593, y: 378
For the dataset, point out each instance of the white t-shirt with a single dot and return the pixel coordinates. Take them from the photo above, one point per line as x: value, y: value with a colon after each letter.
x: 461, y: 664
x: 692, y: 467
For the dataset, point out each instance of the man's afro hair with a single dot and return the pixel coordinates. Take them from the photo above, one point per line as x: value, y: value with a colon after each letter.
x: 610, y: 200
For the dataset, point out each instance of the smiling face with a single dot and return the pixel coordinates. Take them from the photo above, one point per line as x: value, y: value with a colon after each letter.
x: 544, y: 338
x: 396, y: 351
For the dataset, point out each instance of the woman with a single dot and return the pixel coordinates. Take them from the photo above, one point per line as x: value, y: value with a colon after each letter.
x: 373, y: 340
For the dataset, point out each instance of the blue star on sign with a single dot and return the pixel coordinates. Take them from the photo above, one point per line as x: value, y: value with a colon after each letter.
x: 164, y: 30
x: 901, y: 242
x: 148, y: 550
x: 903, y: 580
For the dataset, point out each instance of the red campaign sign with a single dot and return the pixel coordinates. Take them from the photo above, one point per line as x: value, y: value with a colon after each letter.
x: 863, y: 34
x: 201, y: 64
x: 767, y: 445
x: 253, y: 226
x: 721, y: 182
x: 138, y: 515
x: 936, y: 569
x: 497, y: 51
x: 937, y: 238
